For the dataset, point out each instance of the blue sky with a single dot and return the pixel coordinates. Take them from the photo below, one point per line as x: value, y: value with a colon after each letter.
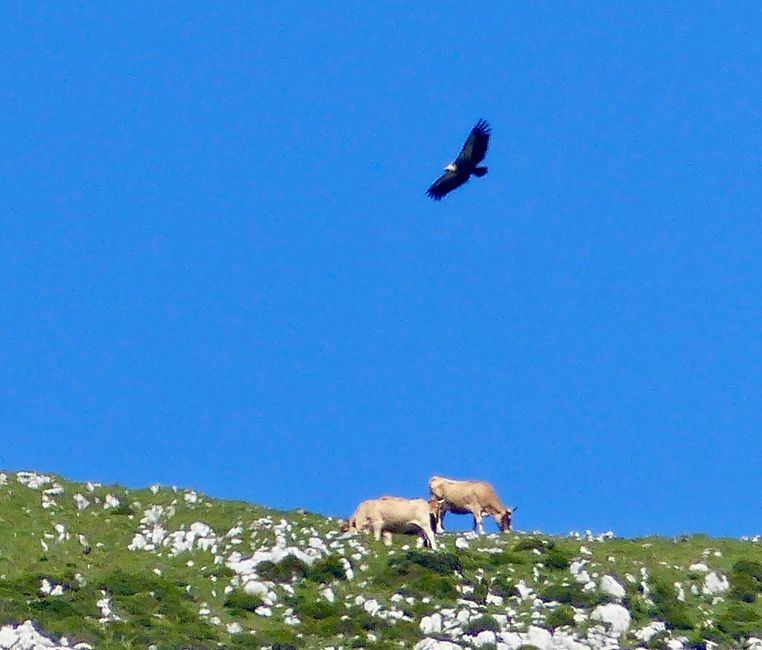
x: 221, y: 271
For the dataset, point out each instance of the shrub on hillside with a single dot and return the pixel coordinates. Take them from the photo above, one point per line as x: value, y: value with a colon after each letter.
x: 749, y: 567
x: 479, y: 594
x: 704, y: 638
x: 746, y: 581
x: 553, y: 557
x: 573, y: 594
x: 561, y: 616
x: 436, y: 586
x: 481, y: 624
x: 403, y: 634
x: 353, y: 622
x: 420, y: 574
x: 244, y: 642
x: 240, y: 601
x: 73, y: 614
x: 666, y: 607
x: 148, y: 595
x: 277, y: 639
x: 286, y: 570
x: 557, y: 558
x: 529, y: 544
x: 56, y: 607
x: 739, y: 620
x: 326, y: 570
x: 145, y: 631
x: 442, y: 563
x: 159, y: 610
x: 503, y: 587
x: 429, y: 584
x: 318, y: 609
x: 123, y: 583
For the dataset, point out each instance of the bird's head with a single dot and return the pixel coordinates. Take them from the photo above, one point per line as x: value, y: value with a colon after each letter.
x: 452, y: 167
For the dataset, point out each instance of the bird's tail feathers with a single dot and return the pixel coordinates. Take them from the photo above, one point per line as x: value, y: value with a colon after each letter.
x: 480, y: 171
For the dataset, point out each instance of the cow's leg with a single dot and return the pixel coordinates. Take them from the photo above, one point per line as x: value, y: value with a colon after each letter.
x: 387, y: 537
x: 478, y: 521
x: 429, y: 536
x: 425, y: 534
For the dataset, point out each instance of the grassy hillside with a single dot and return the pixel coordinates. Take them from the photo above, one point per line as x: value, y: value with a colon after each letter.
x: 169, y: 568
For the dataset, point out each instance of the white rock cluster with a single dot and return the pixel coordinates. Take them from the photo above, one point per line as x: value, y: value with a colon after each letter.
x: 26, y: 637
x: 152, y: 535
x: 33, y: 480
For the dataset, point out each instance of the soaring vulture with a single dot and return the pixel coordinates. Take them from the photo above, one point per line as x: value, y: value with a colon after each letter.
x: 458, y: 172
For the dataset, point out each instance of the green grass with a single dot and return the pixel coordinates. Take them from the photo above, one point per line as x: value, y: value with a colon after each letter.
x: 561, y: 616
x: 189, y: 600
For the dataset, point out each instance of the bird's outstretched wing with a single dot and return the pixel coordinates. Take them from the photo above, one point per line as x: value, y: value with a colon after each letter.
x: 446, y: 183
x: 475, y: 147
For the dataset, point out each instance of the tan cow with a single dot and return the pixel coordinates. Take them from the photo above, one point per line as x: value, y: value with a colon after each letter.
x: 389, y: 515
x: 463, y: 497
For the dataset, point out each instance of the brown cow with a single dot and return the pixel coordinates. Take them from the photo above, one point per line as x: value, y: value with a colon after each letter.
x: 463, y: 497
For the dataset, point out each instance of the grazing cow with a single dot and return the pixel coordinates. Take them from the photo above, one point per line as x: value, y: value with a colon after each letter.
x: 389, y: 515
x: 463, y: 497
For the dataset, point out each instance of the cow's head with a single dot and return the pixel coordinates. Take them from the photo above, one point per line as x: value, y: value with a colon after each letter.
x: 436, y: 510
x: 435, y: 486
x: 506, y: 521
x: 346, y: 526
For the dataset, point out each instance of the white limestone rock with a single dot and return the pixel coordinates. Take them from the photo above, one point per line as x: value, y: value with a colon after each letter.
x: 372, y: 606
x: 538, y: 637
x: 615, y: 616
x: 431, y: 624
x: 714, y: 584
x: 610, y: 586
x: 484, y: 637
x: 646, y: 633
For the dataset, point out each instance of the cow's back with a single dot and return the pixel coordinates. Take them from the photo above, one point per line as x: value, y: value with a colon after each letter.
x: 396, y: 509
x: 451, y: 489
x: 459, y: 493
x: 485, y: 492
